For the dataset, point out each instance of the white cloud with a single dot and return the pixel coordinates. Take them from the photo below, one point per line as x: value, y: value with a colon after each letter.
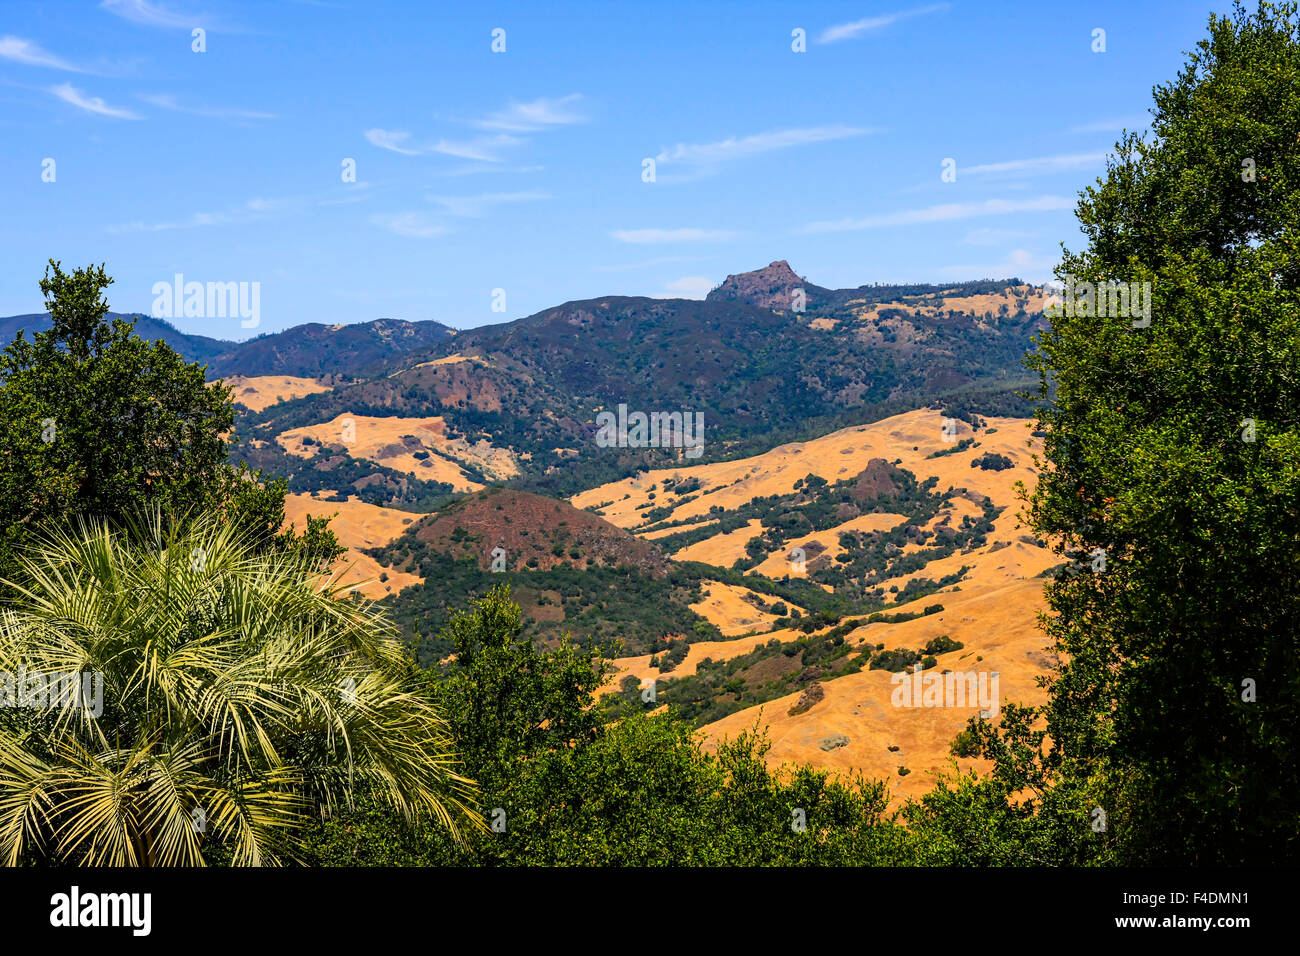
x: 409, y: 224
x: 1018, y: 262
x: 687, y: 287
x: 260, y: 204
x: 648, y: 263
x: 736, y: 148
x: 251, y: 211
x: 168, y: 102
x: 478, y: 205
x: 355, y: 192
x: 1041, y: 164
x: 849, y: 31
x: 945, y: 212
x: 150, y: 14
x: 476, y: 168
x: 1131, y: 123
x: 485, y: 149
x: 541, y: 113
x: 994, y: 237
x: 91, y: 104
x: 531, y: 117
x: 391, y: 139
x: 671, y: 235
x: 30, y: 54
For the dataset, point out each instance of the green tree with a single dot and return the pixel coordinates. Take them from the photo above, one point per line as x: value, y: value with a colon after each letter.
x: 563, y: 789
x: 1173, y: 451
x: 507, y: 700
x: 99, y: 422
x: 239, y: 699
x: 1021, y: 813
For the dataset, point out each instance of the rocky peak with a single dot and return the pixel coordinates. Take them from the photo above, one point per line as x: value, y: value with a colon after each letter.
x: 770, y: 288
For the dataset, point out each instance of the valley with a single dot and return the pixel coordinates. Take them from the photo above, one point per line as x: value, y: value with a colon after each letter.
x: 756, y: 629
x: 832, y: 528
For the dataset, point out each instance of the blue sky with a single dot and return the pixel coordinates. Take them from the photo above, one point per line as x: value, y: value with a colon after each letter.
x: 523, y: 170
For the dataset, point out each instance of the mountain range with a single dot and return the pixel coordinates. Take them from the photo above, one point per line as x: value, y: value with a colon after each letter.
x: 454, y: 461
x: 312, y: 349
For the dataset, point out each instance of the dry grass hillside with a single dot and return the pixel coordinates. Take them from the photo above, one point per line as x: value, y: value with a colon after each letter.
x: 262, y: 391
x: 420, y: 446
x: 991, y: 611
x: 908, y: 439
x: 996, y: 623
x: 357, y: 525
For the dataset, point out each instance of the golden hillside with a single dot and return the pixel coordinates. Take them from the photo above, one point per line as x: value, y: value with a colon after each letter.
x: 991, y: 611
x: 357, y: 525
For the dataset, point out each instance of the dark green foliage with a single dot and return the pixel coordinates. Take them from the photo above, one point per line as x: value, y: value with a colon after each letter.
x: 99, y: 422
x: 943, y: 644
x: 1175, y: 448
x: 991, y: 461
x: 1017, y: 815
x: 960, y: 446
x: 601, y: 603
x: 898, y: 659
x: 675, y: 651
x: 565, y: 789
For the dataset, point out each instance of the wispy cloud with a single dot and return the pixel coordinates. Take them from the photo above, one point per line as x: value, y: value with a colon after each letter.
x: 391, y: 139
x: 251, y: 211
x: 671, y: 235
x: 1132, y: 123
x: 647, y: 264
x: 30, y: 54
x: 1028, y: 167
x: 994, y: 237
x: 257, y: 209
x: 91, y: 104
x: 484, y: 149
x: 1018, y: 262
x: 857, y: 28
x: 478, y: 205
x: 539, y: 114
x: 517, y: 118
x: 412, y: 225
x: 153, y: 14
x: 687, y: 287
x: 168, y: 102
x: 713, y: 154
x: 355, y: 192
x: 944, y: 213
x: 475, y: 168
x: 139, y: 225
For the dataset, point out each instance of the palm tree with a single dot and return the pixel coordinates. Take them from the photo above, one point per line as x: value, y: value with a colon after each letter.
x: 241, y: 696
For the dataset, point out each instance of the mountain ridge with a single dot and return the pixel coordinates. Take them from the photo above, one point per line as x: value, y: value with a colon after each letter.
x: 292, y: 351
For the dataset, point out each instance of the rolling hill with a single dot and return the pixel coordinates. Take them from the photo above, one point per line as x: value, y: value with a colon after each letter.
x: 306, y: 351
x: 832, y: 533
x: 757, y: 373
x: 314, y: 349
x: 195, y: 348
x: 991, y: 566
x: 571, y: 572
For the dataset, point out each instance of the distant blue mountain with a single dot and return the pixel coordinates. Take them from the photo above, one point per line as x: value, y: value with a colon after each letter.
x: 196, y: 348
x: 309, y: 350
